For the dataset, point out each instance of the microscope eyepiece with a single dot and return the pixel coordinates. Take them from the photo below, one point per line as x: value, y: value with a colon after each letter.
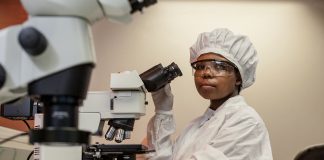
x: 173, y: 71
x: 157, y: 76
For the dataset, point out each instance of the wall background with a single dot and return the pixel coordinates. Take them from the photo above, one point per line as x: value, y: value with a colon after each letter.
x: 289, y: 37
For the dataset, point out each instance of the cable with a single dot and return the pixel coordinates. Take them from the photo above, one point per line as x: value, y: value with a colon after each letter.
x: 13, y: 137
x: 27, y: 124
x: 30, y: 154
x: 16, y: 141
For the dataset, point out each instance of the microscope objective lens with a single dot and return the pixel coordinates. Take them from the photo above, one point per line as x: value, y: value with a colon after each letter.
x: 119, y: 135
x: 128, y: 134
x: 110, y: 133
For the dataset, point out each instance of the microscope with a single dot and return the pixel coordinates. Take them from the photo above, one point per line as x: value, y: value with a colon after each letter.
x: 121, y: 106
x: 50, y: 57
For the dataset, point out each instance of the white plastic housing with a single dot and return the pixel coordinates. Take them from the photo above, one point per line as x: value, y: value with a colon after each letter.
x: 126, y: 104
x: 88, y: 9
x: 117, y: 10
x: 128, y: 80
x: 69, y: 44
x: 91, y: 10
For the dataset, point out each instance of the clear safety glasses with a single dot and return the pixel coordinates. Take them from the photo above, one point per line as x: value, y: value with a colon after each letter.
x: 213, y: 68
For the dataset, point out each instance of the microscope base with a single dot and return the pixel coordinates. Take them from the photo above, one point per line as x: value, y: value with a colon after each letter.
x: 113, y: 152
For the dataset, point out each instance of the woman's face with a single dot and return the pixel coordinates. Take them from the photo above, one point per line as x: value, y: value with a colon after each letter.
x: 214, y: 87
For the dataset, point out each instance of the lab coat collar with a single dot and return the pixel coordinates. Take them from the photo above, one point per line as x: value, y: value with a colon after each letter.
x: 210, y: 113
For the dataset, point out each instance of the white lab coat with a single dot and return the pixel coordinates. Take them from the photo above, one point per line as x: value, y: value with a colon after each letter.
x: 234, y: 131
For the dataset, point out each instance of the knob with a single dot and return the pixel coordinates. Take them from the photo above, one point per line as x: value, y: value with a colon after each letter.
x: 32, y: 41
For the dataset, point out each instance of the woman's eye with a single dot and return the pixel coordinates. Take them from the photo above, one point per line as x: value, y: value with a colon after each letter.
x: 200, y: 66
x: 220, y: 67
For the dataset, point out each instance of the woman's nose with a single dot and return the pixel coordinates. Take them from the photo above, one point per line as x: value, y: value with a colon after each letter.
x: 207, y: 72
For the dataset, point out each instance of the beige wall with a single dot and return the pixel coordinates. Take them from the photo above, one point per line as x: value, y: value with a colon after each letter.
x: 289, y: 37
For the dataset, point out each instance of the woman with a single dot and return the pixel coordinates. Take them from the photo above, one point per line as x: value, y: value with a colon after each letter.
x: 230, y: 129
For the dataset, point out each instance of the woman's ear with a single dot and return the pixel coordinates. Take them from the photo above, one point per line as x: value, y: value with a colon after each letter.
x: 238, y: 82
x: 238, y: 79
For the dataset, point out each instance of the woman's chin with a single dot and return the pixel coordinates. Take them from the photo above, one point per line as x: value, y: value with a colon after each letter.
x: 207, y: 95
x: 209, y: 92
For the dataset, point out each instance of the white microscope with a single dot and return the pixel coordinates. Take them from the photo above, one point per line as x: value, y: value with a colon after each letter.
x: 51, y: 56
x: 124, y: 104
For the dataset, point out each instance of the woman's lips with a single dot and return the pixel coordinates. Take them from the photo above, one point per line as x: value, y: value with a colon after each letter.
x: 207, y: 87
x: 207, y: 84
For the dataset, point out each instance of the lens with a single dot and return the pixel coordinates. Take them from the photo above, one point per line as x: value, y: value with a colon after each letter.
x: 119, y: 135
x: 173, y: 71
x: 212, y: 68
x: 110, y: 134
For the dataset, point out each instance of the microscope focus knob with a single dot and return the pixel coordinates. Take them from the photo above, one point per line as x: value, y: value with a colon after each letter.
x: 2, y: 76
x: 32, y: 41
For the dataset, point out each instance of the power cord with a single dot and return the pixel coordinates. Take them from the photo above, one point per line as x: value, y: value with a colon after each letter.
x: 13, y: 137
x: 27, y: 124
x: 30, y: 154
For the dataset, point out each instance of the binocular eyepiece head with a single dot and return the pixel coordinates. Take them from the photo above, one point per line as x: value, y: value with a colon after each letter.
x: 157, y: 76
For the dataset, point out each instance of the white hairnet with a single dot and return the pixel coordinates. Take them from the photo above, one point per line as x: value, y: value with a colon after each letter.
x: 238, y: 49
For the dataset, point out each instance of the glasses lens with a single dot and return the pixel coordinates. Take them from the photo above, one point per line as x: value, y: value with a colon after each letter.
x: 212, y: 68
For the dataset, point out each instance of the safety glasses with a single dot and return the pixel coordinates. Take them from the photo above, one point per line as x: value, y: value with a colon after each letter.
x: 213, y: 68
